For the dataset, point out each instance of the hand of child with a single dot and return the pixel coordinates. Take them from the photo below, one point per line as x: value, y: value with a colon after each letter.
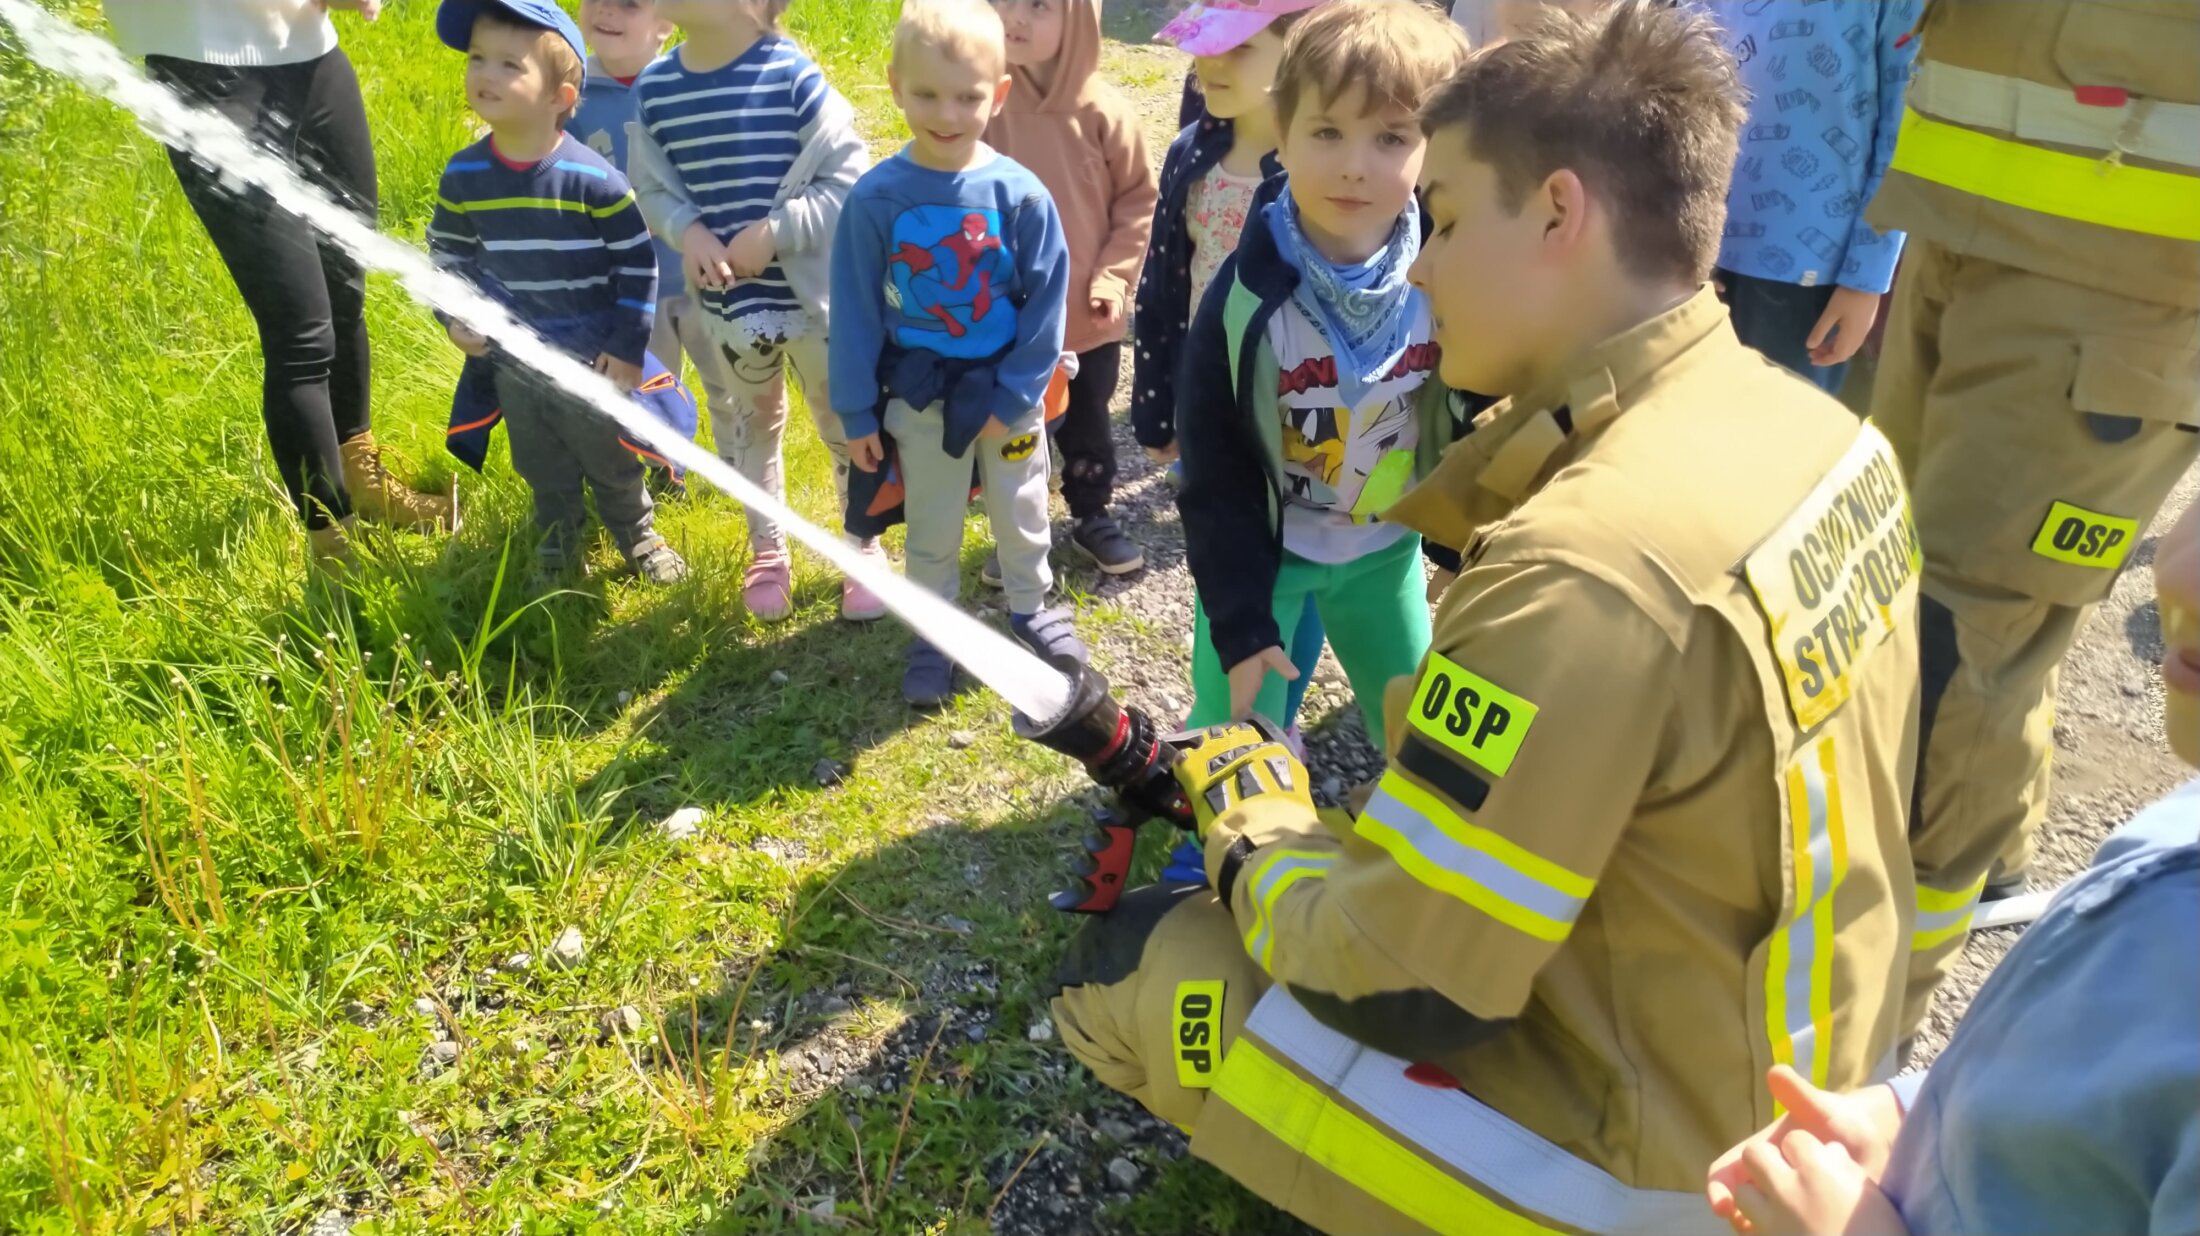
x: 1162, y: 456
x: 707, y: 262
x: 994, y: 428
x: 1108, y: 309
x: 367, y: 9
x: 1842, y: 327
x: 1247, y: 675
x: 753, y: 250
x: 1805, y: 1187
x: 623, y: 374
x: 466, y: 338
x: 1438, y: 582
x: 1863, y: 1123
x: 866, y: 452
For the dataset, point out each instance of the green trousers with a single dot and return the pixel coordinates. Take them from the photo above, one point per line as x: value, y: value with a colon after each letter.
x: 1375, y: 610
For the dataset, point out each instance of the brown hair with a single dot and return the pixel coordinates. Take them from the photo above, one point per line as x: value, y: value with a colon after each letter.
x: 1640, y: 99
x: 1398, y: 50
x: 559, y: 62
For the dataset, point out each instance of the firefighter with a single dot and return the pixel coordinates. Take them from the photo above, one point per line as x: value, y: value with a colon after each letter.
x: 1662, y: 746
x: 2038, y: 385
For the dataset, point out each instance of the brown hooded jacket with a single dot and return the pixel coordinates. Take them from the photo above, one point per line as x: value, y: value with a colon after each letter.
x: 1082, y: 139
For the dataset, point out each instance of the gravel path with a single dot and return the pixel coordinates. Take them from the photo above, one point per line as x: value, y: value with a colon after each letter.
x: 2111, y: 754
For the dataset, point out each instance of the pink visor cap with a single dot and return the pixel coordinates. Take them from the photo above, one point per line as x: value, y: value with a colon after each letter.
x: 1213, y: 27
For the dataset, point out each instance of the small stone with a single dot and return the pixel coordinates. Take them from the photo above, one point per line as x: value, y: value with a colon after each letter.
x: 623, y: 1020
x: 1117, y: 1131
x: 427, y: 1008
x: 359, y: 1012
x: 330, y: 1222
x: 438, y: 1057
x: 681, y: 824
x: 1124, y: 1173
x: 1042, y: 1031
x: 834, y: 1006
x: 828, y: 772
x: 1332, y: 788
x: 779, y: 679
x: 961, y: 740
x: 625, y: 698
x: 975, y: 1034
x: 518, y: 962
x: 960, y: 926
x: 823, y: 1207
x: 309, y: 1057
x: 569, y: 949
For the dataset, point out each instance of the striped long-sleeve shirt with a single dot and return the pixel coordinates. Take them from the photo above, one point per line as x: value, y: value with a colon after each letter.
x: 560, y: 242
x: 733, y: 134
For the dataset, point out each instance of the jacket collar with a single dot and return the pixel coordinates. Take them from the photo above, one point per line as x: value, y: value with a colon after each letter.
x: 1519, y: 443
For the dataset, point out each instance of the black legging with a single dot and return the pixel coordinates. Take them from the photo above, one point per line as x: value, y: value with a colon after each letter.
x: 308, y: 298
x: 1084, y: 437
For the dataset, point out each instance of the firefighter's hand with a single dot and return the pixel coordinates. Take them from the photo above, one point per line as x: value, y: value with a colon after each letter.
x: 1225, y: 765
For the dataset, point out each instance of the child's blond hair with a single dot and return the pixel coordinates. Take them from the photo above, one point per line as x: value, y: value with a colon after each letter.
x: 1398, y: 51
x: 966, y: 31
x: 560, y: 66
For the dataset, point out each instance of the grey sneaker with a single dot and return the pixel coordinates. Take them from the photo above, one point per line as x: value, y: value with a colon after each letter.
x: 1050, y: 634
x: 658, y: 562
x: 929, y: 680
x: 1101, y: 539
x: 990, y: 573
x: 559, y: 561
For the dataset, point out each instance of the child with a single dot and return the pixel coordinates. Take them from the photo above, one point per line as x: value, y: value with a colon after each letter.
x: 1208, y: 179
x: 1310, y: 401
x: 624, y: 36
x: 950, y: 276
x: 742, y: 157
x: 543, y: 224
x: 1071, y: 128
x: 1803, y: 272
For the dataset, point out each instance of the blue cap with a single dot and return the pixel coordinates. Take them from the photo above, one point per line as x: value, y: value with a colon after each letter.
x: 454, y: 21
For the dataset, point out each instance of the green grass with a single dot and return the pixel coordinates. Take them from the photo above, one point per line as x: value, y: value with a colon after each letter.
x: 245, y: 825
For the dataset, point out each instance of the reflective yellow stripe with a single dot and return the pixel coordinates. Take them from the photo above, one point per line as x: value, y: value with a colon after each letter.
x: 1277, y: 872
x: 1943, y: 914
x: 1304, y: 1118
x: 2133, y: 199
x: 1799, y: 966
x: 1492, y: 873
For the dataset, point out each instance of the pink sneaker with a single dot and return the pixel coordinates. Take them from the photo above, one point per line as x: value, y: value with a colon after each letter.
x: 768, y: 587
x: 858, y: 603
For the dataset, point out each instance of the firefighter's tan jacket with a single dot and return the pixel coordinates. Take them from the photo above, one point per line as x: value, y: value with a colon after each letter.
x: 1644, y: 819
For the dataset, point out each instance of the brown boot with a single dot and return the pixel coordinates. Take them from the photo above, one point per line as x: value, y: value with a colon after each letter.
x: 379, y: 497
x: 331, y: 548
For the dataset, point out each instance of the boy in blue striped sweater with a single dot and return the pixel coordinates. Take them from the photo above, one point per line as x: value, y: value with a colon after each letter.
x: 542, y: 224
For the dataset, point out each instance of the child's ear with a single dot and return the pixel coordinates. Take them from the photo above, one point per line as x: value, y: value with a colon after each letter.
x: 1000, y: 92
x: 569, y: 96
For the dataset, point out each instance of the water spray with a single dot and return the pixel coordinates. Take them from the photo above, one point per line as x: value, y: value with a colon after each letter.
x: 1076, y: 715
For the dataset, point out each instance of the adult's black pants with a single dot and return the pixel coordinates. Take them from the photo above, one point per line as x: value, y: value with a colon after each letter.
x: 307, y: 297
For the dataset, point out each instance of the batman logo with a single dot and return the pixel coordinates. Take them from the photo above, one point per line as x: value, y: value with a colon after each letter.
x: 1018, y: 449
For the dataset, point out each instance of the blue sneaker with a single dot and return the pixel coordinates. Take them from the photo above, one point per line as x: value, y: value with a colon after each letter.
x: 1049, y: 634
x: 1176, y: 474
x: 929, y: 680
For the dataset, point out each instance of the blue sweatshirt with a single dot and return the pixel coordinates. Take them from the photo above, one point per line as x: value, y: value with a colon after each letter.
x: 607, y: 106
x: 559, y: 242
x: 953, y: 270
x: 2064, y: 1103
x: 1826, y: 80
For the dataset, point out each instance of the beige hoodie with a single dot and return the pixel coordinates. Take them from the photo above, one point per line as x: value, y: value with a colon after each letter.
x: 1081, y: 138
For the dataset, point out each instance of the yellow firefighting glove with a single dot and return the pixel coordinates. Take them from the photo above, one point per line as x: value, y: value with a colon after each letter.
x: 1225, y: 765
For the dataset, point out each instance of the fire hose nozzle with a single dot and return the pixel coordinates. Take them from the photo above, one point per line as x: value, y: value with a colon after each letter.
x: 1122, y: 750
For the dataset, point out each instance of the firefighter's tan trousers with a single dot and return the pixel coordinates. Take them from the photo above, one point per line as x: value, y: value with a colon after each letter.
x: 2041, y: 425
x: 1122, y: 1012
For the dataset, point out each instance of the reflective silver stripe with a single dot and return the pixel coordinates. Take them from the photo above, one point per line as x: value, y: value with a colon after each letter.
x: 1476, y: 872
x: 2148, y: 128
x: 1454, y: 1128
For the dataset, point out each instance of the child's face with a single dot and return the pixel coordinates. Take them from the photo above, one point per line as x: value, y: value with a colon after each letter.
x: 947, y: 102
x: 1237, y: 81
x: 624, y: 32
x: 2177, y: 589
x: 1483, y: 267
x: 506, y: 83
x: 1352, y: 171
x: 1034, y: 29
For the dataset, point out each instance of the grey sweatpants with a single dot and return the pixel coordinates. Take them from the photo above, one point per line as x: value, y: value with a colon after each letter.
x: 558, y: 442
x: 1013, y: 473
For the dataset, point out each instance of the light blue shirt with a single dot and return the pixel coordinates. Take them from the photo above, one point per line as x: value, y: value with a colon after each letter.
x: 1826, y: 80
x: 2069, y: 1099
x: 607, y: 106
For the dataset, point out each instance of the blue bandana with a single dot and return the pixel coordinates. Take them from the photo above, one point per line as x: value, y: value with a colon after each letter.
x: 1363, y: 310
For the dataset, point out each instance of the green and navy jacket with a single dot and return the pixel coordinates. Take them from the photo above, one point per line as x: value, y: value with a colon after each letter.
x: 1231, y: 428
